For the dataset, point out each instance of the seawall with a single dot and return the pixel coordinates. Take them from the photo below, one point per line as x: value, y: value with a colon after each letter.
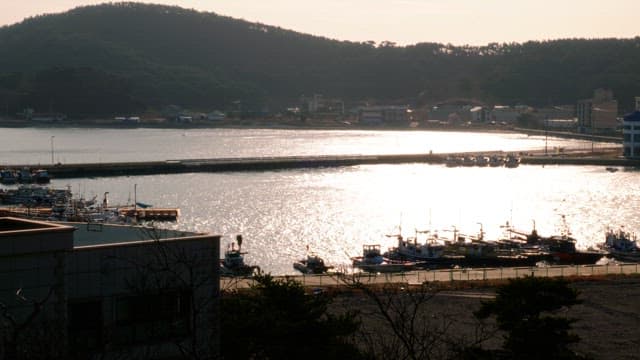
x: 602, y: 158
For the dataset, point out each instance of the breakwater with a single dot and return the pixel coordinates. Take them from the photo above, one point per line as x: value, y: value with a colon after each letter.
x: 605, y: 157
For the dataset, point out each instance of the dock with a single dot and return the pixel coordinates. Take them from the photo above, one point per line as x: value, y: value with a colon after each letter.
x: 610, y: 156
x: 160, y: 214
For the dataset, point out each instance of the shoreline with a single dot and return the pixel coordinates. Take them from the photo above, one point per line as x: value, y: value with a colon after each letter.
x: 308, y: 125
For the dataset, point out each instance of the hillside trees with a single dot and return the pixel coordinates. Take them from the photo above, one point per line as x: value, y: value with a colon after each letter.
x: 169, y: 55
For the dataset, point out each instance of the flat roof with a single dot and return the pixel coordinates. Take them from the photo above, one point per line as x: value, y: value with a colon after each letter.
x: 13, y: 225
x: 94, y: 234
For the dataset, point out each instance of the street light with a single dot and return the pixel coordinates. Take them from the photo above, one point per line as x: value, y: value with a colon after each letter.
x: 52, y: 161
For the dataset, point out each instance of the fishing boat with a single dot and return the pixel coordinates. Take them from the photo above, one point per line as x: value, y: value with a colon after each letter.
x: 511, y: 161
x: 475, y: 251
x: 482, y: 160
x: 312, y: 264
x: 561, y: 248
x: 495, y: 161
x: 373, y: 261
x: 233, y: 262
x: 8, y: 177
x: 25, y: 176
x: 41, y: 176
x: 621, y: 245
x: 453, y: 161
x: 412, y: 249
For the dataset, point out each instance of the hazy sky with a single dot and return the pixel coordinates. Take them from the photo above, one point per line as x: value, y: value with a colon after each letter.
x: 475, y: 22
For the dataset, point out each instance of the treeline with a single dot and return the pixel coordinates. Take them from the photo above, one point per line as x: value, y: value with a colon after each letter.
x: 128, y: 57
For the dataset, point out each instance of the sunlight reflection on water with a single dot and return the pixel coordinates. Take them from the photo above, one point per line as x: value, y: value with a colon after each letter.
x: 337, y: 210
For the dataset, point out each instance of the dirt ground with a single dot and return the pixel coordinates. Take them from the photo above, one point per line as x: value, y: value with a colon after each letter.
x: 608, y: 318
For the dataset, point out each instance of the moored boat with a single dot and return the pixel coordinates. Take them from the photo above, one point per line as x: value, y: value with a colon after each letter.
x: 25, y: 176
x: 411, y: 249
x: 233, y: 262
x: 561, y: 248
x: 41, y: 176
x: 8, y: 177
x: 621, y: 245
x: 511, y: 161
x: 373, y: 261
x: 312, y: 264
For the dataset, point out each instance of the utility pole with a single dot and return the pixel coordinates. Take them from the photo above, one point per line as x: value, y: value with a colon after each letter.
x: 52, y: 161
x: 546, y: 122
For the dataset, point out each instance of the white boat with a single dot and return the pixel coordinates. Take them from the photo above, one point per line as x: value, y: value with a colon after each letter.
x: 233, y: 262
x: 373, y: 261
x: 312, y: 264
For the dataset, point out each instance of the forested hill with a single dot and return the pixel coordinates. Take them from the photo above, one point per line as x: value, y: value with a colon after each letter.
x: 126, y: 57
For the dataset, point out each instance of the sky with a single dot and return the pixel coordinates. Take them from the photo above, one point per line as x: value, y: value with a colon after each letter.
x: 404, y: 22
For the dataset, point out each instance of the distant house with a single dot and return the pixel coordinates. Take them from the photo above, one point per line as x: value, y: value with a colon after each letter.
x: 30, y: 114
x: 215, y: 116
x: 184, y: 118
x: 479, y: 114
x: 507, y: 114
x: 389, y: 115
x: 450, y: 113
x: 128, y: 119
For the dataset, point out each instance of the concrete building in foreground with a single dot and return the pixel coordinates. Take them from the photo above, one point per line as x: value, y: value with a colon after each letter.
x: 86, y: 290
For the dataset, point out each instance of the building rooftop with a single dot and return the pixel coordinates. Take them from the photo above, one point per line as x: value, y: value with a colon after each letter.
x: 89, y: 234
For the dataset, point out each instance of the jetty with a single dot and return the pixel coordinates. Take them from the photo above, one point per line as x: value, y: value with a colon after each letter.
x: 605, y: 156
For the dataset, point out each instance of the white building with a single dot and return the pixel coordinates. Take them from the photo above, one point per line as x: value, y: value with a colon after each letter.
x: 631, y: 135
x: 81, y: 290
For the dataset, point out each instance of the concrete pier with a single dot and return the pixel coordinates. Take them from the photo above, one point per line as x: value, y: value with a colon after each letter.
x: 603, y: 157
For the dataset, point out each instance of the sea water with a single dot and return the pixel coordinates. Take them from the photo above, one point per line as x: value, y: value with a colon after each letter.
x: 334, y: 211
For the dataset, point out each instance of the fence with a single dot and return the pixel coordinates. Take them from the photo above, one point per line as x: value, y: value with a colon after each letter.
x: 421, y: 276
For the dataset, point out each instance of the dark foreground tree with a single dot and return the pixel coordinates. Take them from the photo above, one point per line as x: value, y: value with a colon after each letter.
x: 404, y: 322
x: 278, y: 319
x: 527, y: 309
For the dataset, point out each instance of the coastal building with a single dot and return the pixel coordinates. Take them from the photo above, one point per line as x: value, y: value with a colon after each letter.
x: 215, y: 115
x: 598, y: 113
x: 88, y: 290
x: 451, y: 114
x: 631, y: 135
x: 321, y: 105
x: 479, y: 114
x: 507, y: 114
x: 388, y: 115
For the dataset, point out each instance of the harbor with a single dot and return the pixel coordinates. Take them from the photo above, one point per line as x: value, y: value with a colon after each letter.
x: 335, y: 191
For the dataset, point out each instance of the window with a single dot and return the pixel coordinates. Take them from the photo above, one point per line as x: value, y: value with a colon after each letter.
x: 627, y: 138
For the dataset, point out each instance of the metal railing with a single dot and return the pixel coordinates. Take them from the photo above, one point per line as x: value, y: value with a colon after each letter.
x: 444, y: 275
